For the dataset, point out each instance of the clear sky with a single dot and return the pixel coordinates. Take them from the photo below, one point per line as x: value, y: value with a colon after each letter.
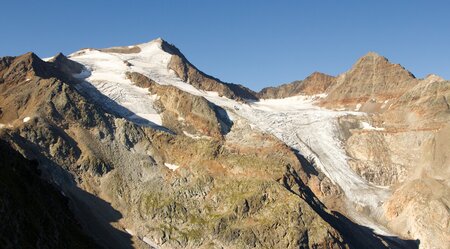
x: 254, y: 43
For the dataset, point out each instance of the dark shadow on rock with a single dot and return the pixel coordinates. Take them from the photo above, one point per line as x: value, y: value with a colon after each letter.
x: 307, y: 164
x: 357, y: 236
x: 224, y: 119
x: 96, y: 216
x: 92, y: 213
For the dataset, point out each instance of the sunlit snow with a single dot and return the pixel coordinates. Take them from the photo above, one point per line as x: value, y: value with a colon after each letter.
x: 171, y: 166
x: 367, y: 126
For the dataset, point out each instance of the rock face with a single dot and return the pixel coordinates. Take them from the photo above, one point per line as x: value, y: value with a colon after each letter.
x: 316, y: 83
x: 370, y: 82
x: 189, y: 73
x: 183, y: 112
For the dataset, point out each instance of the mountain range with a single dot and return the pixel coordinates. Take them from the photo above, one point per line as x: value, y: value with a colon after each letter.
x: 135, y: 147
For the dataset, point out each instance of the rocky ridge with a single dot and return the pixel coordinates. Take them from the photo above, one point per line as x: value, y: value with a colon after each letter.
x: 316, y: 83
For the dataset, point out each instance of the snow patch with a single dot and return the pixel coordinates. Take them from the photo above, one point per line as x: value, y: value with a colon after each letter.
x: 384, y: 103
x: 358, y: 107
x: 48, y: 58
x: 195, y: 136
x: 173, y: 167
x: 367, y: 126
x: 129, y: 231
x: 26, y: 119
x: 150, y: 242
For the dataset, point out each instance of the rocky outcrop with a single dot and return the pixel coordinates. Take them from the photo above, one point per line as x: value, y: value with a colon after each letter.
x: 69, y: 67
x: 428, y: 101
x: 420, y: 208
x: 190, y: 74
x: 316, y: 83
x: 183, y: 112
x: 370, y: 82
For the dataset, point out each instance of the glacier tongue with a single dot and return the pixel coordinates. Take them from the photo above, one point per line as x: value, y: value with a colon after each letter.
x: 314, y: 132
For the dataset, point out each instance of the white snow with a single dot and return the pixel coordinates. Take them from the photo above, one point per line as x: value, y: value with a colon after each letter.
x: 195, y: 136
x: 106, y: 82
x: 173, y: 167
x: 358, y: 106
x: 26, y: 119
x: 129, y: 231
x: 150, y: 242
x: 367, y: 126
x: 48, y: 58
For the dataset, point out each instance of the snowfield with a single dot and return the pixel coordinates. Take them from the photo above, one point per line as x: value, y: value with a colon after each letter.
x: 367, y: 126
x: 311, y: 130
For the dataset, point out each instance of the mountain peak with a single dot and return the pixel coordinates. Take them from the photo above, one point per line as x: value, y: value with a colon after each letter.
x: 372, y: 54
x: 371, y: 77
x: 434, y: 78
x: 373, y: 58
x: 374, y: 62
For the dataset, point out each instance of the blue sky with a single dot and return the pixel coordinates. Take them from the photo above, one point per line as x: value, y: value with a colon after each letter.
x: 254, y: 43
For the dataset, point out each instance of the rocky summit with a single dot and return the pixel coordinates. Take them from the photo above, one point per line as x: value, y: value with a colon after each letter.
x: 135, y: 147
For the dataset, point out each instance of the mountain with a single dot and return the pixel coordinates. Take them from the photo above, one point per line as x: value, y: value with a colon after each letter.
x: 151, y: 152
x: 316, y: 83
x: 370, y: 82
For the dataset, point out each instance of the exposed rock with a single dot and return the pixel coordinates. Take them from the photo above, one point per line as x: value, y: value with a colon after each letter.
x: 373, y: 79
x: 122, y: 50
x: 185, y: 112
x: 420, y: 208
x: 316, y: 83
x: 65, y: 65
